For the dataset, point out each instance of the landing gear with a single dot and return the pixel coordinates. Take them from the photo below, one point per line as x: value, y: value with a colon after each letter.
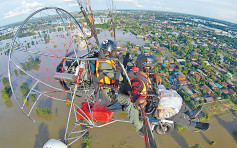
x: 164, y: 128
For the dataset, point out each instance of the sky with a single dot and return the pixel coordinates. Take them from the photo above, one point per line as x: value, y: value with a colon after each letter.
x: 17, y: 10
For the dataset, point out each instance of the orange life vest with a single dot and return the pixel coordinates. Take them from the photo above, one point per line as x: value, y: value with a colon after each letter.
x: 146, y: 81
x: 105, y: 80
x: 146, y: 86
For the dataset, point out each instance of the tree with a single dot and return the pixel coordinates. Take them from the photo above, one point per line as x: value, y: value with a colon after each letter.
x: 235, y: 133
x: 213, y: 143
x: 24, y: 89
x: 197, y: 146
x: 179, y: 127
x: 15, y: 71
x: 5, y: 93
x: 5, y: 81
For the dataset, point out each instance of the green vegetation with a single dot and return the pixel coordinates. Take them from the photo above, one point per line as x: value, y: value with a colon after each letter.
x: 21, y: 72
x: 5, y: 93
x: 235, y: 133
x: 205, y: 117
x: 86, y: 141
x: 219, y: 108
x: 44, y: 113
x: 46, y: 38
x: 33, y: 63
x: 213, y: 143
x: 15, y: 71
x: 5, y: 81
x: 179, y: 127
x: 32, y: 97
x: 6, y: 36
x: 24, y: 89
x: 197, y: 146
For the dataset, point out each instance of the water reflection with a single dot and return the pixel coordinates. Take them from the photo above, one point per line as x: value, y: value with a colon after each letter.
x: 179, y: 139
x: 229, y: 125
x: 8, y: 103
x: 42, y: 136
x: 61, y: 133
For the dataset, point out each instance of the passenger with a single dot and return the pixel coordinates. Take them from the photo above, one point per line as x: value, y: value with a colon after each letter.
x: 142, y: 81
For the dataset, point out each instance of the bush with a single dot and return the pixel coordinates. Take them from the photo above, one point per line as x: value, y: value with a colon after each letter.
x: 5, y: 81
x: 213, y: 143
x: 235, y: 133
x: 15, y: 71
x: 197, y: 146
x: 5, y: 93
x: 205, y: 117
x: 233, y: 109
x: 43, y: 111
x: 24, y: 89
x: 32, y: 97
x: 86, y: 140
x: 179, y: 127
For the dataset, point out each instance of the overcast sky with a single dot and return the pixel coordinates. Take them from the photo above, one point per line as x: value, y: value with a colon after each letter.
x: 17, y: 10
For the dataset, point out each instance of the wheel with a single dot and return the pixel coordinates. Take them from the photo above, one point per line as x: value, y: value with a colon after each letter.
x: 164, y: 128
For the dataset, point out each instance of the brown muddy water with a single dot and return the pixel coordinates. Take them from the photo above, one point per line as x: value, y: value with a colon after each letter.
x: 123, y: 135
x: 16, y: 130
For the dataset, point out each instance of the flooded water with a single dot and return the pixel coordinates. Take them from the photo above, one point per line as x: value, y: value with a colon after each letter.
x: 123, y: 135
x: 17, y: 130
x: 121, y: 36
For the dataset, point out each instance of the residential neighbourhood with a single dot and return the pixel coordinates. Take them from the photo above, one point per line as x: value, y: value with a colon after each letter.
x: 195, y: 58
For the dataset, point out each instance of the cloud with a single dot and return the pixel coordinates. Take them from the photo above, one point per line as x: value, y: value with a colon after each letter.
x: 23, y: 9
x: 208, y: 1
x: 126, y: 0
x: 16, y: 12
x: 69, y: 0
x: 72, y: 5
x: 138, y: 5
x: 30, y: 5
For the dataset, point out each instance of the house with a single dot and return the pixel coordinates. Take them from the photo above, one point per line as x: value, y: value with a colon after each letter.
x: 181, y: 77
x: 225, y: 91
x: 224, y: 84
x: 159, y: 60
x: 218, y: 85
x: 171, y: 68
x: 194, y: 63
x: 209, y: 99
x: 194, y: 96
x: 171, y: 80
x: 187, y: 90
x: 163, y: 65
x: 207, y: 63
x: 170, y: 60
x: 229, y: 75
x: 184, y: 82
x: 180, y: 60
x: 196, y: 75
x: 180, y: 66
x: 232, y: 91
x: 199, y: 71
x: 230, y: 83
x: 177, y: 73
x: 209, y: 91
x: 213, y: 85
